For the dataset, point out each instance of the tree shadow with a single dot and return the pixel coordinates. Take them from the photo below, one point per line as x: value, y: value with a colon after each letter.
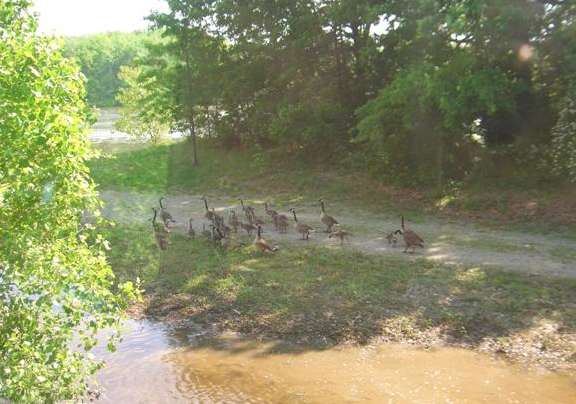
x: 314, y: 299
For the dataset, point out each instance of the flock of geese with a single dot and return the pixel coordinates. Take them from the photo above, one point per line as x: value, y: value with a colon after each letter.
x: 221, y: 227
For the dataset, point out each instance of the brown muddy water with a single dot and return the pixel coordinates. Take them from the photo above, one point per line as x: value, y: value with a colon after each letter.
x: 158, y: 364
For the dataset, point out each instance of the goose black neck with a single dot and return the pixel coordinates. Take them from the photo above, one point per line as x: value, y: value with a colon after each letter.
x: 161, y: 205
x: 322, y: 206
x: 155, y: 214
x: 206, y: 204
x: 294, y: 213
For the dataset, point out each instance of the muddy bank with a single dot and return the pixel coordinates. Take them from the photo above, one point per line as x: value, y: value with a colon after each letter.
x: 156, y: 362
x: 546, y: 344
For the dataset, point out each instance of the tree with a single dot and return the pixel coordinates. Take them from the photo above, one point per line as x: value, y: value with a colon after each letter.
x: 397, y: 84
x: 149, y: 92
x: 564, y: 139
x: 199, y: 55
x: 55, y: 284
x: 101, y: 57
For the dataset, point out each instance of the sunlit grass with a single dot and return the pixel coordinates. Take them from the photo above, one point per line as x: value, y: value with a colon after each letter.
x: 142, y: 169
x: 329, y: 288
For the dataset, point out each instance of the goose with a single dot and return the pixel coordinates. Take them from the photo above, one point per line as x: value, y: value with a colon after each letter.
x: 209, y: 213
x: 233, y: 221
x: 249, y: 227
x: 341, y: 234
x: 161, y: 234
x: 248, y: 210
x: 328, y: 220
x: 262, y: 244
x: 164, y: 214
x: 411, y: 239
x: 301, y: 228
x: 217, y: 235
x: 255, y: 220
x: 270, y: 212
x: 281, y: 223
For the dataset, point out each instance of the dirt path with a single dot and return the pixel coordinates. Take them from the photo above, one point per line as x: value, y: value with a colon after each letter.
x: 447, y: 242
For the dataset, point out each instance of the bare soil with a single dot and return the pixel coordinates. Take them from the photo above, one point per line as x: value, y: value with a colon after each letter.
x: 449, y: 242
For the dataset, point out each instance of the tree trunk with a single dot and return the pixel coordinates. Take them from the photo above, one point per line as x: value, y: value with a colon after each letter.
x: 193, y: 137
x: 191, y: 124
x: 440, y: 164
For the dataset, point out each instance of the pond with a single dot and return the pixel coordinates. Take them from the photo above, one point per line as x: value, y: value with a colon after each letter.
x: 156, y: 363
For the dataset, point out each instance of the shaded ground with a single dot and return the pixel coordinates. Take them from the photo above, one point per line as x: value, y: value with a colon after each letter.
x: 317, y: 291
x: 446, y: 242
x: 501, y: 291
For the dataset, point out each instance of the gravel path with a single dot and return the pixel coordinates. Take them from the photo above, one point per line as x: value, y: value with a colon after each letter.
x: 447, y: 242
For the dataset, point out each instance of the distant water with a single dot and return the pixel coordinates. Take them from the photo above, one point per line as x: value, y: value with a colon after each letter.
x: 103, y: 130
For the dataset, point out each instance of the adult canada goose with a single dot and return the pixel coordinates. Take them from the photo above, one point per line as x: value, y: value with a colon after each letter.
x: 220, y: 225
x: 281, y: 223
x: 341, y: 234
x: 191, y: 232
x: 248, y: 211
x: 233, y: 221
x: 164, y: 214
x: 270, y: 212
x: 262, y: 244
x: 217, y: 235
x: 301, y: 228
x: 411, y: 239
x: 255, y: 220
x: 328, y: 220
x: 209, y: 214
x: 161, y: 234
x: 249, y: 227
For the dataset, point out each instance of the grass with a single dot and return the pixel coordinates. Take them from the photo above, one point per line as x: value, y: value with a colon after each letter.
x: 281, y: 180
x: 335, y: 296
x: 320, y: 294
x: 284, y: 180
x: 140, y: 169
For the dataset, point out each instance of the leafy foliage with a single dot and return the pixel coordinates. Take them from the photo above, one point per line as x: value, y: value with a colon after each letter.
x: 55, y: 284
x: 101, y: 57
x: 564, y: 139
x: 422, y: 91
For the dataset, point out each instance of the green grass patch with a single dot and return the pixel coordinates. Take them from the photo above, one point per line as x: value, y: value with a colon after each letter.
x: 280, y: 179
x: 140, y: 169
x: 336, y: 294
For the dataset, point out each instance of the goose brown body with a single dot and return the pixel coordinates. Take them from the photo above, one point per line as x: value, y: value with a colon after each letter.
x: 341, y: 234
x: 411, y: 238
x: 326, y: 219
x: 262, y: 244
x: 270, y: 212
x: 281, y: 223
x: 233, y: 221
x: 209, y: 214
x: 161, y: 233
x: 165, y: 216
x: 301, y: 228
x: 248, y: 227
